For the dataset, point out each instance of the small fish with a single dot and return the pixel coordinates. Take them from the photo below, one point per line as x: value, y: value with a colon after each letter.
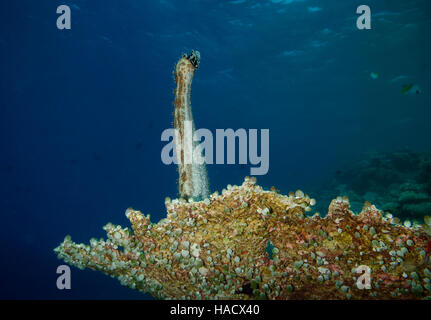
x: 411, y: 89
x: 374, y: 75
x: 106, y: 39
x: 399, y: 78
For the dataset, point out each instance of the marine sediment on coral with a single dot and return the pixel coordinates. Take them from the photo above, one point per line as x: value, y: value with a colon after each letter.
x: 250, y: 243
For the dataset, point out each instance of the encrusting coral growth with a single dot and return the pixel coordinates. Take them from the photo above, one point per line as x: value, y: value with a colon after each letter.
x: 217, y: 248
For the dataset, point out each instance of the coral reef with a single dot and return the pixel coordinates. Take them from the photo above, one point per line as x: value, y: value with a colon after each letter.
x: 216, y: 249
x: 398, y: 182
x: 249, y: 243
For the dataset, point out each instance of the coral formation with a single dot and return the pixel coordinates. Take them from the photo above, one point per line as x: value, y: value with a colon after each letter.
x: 398, y: 182
x: 249, y: 243
x: 216, y: 249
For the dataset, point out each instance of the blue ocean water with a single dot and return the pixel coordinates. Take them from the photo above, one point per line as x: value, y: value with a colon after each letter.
x: 82, y: 110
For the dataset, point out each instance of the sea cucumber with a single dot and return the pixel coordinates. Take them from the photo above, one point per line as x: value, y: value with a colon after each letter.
x: 193, y: 177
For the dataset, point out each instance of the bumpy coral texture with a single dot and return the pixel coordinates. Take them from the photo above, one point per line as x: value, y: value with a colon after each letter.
x: 218, y: 249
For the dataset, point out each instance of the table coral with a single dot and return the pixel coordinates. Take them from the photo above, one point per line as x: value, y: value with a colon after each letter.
x: 216, y: 249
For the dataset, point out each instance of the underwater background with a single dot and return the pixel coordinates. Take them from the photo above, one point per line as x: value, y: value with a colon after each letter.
x: 82, y: 111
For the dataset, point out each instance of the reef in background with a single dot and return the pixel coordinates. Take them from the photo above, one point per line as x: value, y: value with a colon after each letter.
x: 398, y: 182
x: 217, y: 249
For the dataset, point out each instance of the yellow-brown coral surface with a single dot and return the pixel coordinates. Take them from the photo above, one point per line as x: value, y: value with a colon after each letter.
x: 217, y: 249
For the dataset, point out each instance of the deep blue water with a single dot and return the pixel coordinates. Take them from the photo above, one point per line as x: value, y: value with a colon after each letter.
x: 82, y: 110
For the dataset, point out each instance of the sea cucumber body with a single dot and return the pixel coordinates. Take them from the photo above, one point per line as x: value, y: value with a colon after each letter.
x: 193, y: 178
